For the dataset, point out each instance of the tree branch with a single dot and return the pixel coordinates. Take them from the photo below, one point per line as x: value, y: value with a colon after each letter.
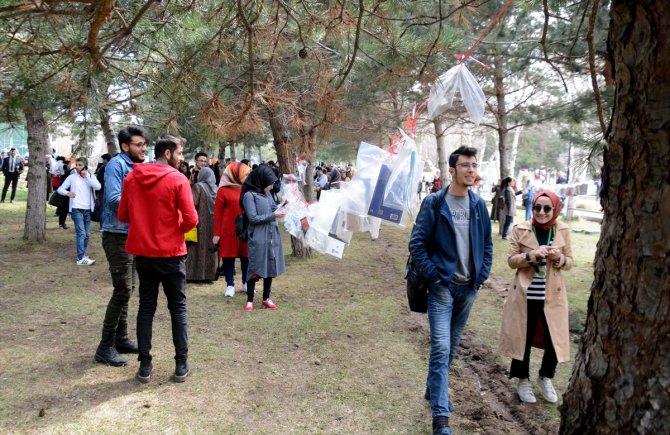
x: 356, y: 42
x: 592, y: 68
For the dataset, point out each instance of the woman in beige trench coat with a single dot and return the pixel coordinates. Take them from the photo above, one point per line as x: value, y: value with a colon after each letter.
x: 536, y: 311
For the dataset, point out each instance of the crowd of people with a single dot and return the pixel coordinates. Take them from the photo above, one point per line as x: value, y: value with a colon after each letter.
x: 163, y: 225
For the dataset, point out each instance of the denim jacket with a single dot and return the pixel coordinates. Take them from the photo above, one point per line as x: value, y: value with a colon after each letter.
x: 115, y: 172
x: 435, y: 252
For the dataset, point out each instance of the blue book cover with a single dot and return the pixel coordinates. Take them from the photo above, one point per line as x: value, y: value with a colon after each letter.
x: 377, y: 207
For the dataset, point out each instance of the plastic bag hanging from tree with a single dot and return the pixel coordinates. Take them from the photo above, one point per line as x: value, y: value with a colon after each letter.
x: 443, y: 90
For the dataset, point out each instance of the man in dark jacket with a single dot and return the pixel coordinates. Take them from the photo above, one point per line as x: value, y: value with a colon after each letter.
x: 454, y: 251
x: 156, y: 238
x: 12, y: 166
x: 115, y: 341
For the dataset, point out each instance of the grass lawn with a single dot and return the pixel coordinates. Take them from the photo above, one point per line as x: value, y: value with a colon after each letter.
x: 341, y: 355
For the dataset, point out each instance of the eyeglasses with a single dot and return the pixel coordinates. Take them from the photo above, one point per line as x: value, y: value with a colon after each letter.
x: 538, y: 208
x: 138, y: 145
x: 468, y: 165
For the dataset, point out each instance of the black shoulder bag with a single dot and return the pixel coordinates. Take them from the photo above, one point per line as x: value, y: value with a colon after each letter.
x: 417, y: 284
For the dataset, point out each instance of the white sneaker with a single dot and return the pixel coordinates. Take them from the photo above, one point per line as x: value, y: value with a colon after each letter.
x: 85, y: 262
x: 525, y: 391
x: 548, y: 391
x: 230, y: 291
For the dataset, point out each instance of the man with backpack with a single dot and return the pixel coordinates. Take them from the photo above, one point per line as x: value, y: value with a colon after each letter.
x: 452, y: 247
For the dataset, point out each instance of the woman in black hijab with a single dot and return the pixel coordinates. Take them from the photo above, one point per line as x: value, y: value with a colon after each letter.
x: 266, y: 251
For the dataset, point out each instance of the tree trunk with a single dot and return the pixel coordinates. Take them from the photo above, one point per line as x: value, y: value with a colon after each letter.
x: 298, y: 249
x: 501, y: 117
x: 38, y: 147
x: 621, y: 379
x: 107, y: 131
x: 442, y: 157
x: 222, y: 153
x: 308, y: 153
x: 515, y: 147
x: 281, y: 139
x: 231, y: 145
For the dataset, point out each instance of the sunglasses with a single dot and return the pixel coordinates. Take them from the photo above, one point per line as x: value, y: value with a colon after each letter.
x: 538, y: 208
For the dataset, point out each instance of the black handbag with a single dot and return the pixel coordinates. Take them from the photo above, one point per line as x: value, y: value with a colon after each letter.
x: 242, y: 227
x: 417, y: 284
x: 56, y: 199
x: 417, y: 288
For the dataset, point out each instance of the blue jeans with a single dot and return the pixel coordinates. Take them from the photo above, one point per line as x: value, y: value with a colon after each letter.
x: 448, y: 310
x: 507, y: 226
x: 82, y: 228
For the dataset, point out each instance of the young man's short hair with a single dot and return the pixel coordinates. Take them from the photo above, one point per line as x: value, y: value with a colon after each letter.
x: 162, y: 145
x: 462, y: 151
x: 84, y: 160
x: 106, y: 156
x: 175, y: 139
x: 125, y: 134
x: 201, y: 155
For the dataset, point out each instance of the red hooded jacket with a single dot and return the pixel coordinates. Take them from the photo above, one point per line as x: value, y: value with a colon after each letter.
x: 157, y: 204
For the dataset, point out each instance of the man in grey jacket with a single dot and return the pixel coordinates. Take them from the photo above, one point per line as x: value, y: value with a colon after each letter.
x: 133, y: 143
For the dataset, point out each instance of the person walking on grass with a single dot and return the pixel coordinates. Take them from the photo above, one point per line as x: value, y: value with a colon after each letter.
x: 115, y: 341
x: 536, y: 310
x: 226, y: 209
x: 452, y: 247
x: 80, y: 188
x: 157, y: 204
x: 266, y: 252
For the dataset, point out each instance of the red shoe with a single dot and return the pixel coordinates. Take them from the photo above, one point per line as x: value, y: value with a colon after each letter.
x: 249, y: 306
x: 269, y: 304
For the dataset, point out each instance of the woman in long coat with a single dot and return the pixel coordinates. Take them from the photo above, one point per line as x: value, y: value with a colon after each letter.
x: 536, y: 311
x: 226, y: 210
x: 266, y: 251
x: 201, y: 262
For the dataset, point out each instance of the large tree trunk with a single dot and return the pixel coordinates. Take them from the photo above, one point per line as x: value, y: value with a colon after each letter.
x: 108, y: 133
x: 38, y: 147
x: 441, y: 140
x: 501, y: 117
x: 621, y: 379
x: 281, y: 138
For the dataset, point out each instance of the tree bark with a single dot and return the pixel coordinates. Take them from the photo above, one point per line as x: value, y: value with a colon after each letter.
x: 621, y: 379
x: 501, y: 117
x: 110, y: 138
x: 515, y: 148
x: 441, y: 140
x: 222, y: 153
x: 38, y: 147
x: 281, y: 138
x: 231, y: 145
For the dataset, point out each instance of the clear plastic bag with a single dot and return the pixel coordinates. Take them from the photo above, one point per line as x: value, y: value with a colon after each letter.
x: 443, y: 90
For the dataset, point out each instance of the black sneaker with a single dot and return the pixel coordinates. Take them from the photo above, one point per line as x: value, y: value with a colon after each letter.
x: 109, y: 356
x: 125, y: 345
x: 181, y: 371
x: 144, y: 372
x: 441, y: 425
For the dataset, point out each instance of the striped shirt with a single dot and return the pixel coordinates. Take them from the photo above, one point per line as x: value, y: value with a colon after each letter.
x: 537, y: 288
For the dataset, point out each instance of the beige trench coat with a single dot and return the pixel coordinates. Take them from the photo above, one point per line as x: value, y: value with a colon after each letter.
x: 515, y: 314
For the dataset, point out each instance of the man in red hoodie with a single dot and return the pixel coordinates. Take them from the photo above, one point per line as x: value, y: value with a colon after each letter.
x: 157, y: 204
